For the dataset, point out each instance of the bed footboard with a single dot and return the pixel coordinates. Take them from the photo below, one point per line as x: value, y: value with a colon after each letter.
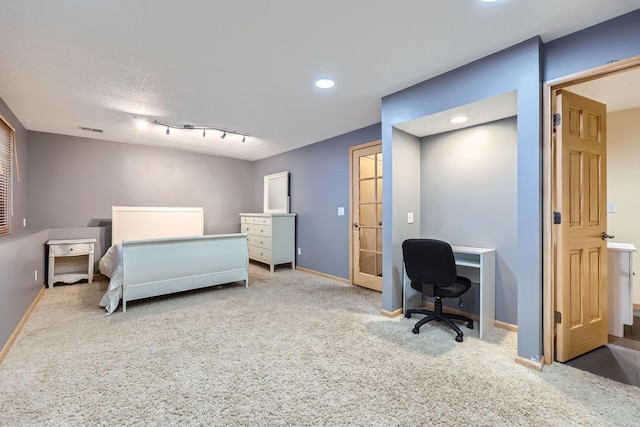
x: 164, y: 266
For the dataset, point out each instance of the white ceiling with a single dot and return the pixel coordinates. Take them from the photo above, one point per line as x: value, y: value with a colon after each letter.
x: 247, y: 65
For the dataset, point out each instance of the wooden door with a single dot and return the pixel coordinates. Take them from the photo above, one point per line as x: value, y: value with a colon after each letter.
x: 580, y: 260
x: 366, y: 215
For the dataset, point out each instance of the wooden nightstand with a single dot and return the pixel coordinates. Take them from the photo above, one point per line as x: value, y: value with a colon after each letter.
x: 70, y: 260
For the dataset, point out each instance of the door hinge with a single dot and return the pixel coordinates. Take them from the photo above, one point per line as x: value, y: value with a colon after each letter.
x: 557, y: 317
x: 557, y: 217
x: 557, y: 119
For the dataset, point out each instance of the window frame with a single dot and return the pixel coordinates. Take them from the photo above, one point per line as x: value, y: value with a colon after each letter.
x: 7, y: 148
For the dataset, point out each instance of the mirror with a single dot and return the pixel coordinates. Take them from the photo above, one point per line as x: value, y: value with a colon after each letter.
x: 276, y: 193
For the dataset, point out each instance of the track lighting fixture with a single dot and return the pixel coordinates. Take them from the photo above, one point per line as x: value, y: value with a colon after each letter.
x: 204, y: 129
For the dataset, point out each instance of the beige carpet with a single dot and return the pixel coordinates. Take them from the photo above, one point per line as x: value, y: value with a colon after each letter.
x: 293, y: 349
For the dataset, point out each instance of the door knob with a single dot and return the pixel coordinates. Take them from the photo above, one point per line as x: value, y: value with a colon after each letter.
x: 606, y: 236
x: 355, y: 225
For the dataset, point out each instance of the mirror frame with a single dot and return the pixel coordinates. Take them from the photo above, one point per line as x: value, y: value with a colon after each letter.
x: 276, y: 185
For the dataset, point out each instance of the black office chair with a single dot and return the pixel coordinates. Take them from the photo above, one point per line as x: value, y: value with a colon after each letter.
x: 431, y: 267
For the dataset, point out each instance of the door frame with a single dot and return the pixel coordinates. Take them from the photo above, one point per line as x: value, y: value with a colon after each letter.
x: 351, y: 220
x: 548, y: 252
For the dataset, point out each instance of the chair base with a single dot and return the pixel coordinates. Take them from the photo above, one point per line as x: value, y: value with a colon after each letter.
x: 439, y: 315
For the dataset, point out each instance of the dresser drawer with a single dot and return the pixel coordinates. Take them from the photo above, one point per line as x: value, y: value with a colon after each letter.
x: 71, y: 249
x: 259, y: 241
x: 257, y: 229
x: 259, y: 254
x: 255, y: 220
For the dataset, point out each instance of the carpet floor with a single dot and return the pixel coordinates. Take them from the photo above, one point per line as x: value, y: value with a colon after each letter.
x: 292, y: 349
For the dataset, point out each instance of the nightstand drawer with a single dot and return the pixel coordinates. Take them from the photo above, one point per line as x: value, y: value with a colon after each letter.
x: 71, y: 249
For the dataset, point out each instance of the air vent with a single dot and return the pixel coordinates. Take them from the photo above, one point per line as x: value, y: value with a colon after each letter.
x: 90, y: 129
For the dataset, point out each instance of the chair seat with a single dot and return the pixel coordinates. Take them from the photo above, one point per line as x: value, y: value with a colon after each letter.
x: 461, y: 286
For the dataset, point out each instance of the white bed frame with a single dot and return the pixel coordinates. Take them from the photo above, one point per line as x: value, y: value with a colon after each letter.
x: 181, y: 259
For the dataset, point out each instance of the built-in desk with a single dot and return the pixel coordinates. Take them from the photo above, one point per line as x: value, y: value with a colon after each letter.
x: 483, y: 262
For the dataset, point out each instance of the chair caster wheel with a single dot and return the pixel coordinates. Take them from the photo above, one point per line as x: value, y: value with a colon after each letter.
x: 407, y: 315
x: 470, y: 325
x: 415, y: 330
x: 459, y: 338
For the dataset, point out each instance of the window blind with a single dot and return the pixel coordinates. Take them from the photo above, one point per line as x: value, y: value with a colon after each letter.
x: 7, y: 135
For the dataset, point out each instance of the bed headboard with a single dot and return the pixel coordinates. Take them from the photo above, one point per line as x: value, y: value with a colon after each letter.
x: 141, y: 222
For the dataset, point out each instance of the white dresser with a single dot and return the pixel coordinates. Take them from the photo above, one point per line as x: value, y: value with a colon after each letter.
x: 70, y: 260
x: 620, y: 276
x: 271, y: 237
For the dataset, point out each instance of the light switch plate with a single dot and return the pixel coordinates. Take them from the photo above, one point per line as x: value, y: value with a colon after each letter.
x: 341, y: 211
x: 410, y: 218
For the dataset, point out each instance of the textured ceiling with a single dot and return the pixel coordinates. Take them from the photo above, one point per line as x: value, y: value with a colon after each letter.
x: 247, y: 65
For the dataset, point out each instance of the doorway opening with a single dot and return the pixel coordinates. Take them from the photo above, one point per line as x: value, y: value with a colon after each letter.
x: 611, y: 85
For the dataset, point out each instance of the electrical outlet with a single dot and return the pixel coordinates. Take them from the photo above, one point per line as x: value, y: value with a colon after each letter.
x: 35, y: 275
x: 341, y: 211
x: 612, y: 207
x: 24, y: 222
x: 299, y: 251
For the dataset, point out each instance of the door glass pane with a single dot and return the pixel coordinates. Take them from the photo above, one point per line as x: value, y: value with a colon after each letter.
x: 367, y: 166
x: 379, y: 164
x: 368, y: 215
x: 368, y: 191
x: 379, y: 239
x: 379, y: 189
x: 379, y: 271
x: 368, y: 239
x: 379, y: 208
x: 368, y: 263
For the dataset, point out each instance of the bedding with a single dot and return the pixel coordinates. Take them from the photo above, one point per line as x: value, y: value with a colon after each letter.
x: 111, y: 266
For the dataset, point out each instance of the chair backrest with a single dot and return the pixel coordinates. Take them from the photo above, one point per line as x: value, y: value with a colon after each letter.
x: 429, y: 261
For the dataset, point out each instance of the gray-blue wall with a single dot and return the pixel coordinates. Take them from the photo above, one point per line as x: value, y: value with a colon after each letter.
x: 593, y: 47
x: 22, y: 253
x: 73, y: 182
x: 469, y: 198
x: 319, y: 184
x: 516, y: 68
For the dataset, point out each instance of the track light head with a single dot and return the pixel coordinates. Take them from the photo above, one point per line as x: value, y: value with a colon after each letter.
x: 224, y: 134
x: 204, y: 133
x: 244, y: 138
x: 168, y: 132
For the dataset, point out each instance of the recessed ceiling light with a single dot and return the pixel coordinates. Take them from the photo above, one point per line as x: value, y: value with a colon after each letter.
x: 325, y: 83
x: 459, y: 119
x: 489, y: 1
